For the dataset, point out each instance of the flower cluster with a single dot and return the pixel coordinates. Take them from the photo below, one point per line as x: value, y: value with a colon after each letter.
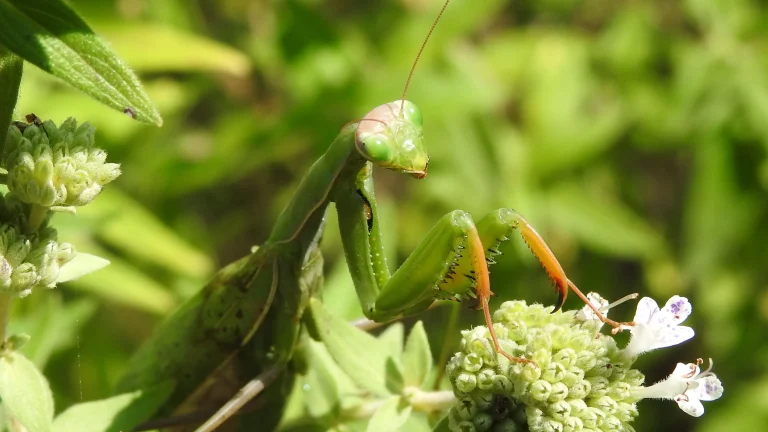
x: 56, y: 166
x: 580, y: 378
x: 30, y: 261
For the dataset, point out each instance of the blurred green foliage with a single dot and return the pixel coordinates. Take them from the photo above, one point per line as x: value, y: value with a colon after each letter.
x: 633, y: 135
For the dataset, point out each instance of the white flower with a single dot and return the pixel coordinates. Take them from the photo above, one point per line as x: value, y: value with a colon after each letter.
x: 658, y: 328
x: 588, y: 314
x: 688, y: 386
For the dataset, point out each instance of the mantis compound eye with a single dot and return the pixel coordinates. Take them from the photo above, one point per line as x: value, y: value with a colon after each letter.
x: 413, y: 114
x: 375, y: 147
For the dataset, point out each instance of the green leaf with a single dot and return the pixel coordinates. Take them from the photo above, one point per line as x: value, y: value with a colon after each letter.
x: 442, y: 426
x: 173, y: 50
x: 25, y: 392
x: 321, y: 391
x: 417, y: 357
x: 603, y: 223
x: 116, y: 414
x: 123, y: 283
x: 364, y: 358
x: 50, y: 35
x: 81, y: 265
x: 54, y: 324
x: 127, y: 225
x: 10, y: 79
x: 393, y: 337
x: 390, y: 416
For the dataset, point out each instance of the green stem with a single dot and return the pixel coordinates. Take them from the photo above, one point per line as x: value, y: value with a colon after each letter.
x: 5, y: 313
x: 37, y: 215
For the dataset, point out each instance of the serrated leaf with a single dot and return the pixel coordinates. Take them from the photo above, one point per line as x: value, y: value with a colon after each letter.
x: 10, y: 79
x: 116, y: 414
x: 390, y: 416
x: 25, y: 392
x: 50, y: 35
x: 417, y: 357
x: 81, y: 265
x: 363, y: 357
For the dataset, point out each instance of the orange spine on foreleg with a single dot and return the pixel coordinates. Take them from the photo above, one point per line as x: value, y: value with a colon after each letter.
x: 547, y: 260
x: 483, y: 288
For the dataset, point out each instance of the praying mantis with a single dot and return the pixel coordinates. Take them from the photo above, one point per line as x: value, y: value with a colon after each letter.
x: 249, y: 317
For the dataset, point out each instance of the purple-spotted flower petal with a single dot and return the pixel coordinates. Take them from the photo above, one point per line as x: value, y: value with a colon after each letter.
x: 687, y: 386
x: 658, y: 328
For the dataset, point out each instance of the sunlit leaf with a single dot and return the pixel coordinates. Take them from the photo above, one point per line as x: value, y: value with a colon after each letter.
x: 364, y: 358
x: 321, y: 391
x: 25, y: 392
x: 50, y: 35
x: 116, y: 414
x: 123, y: 283
x: 390, y: 416
x: 81, y: 265
x: 393, y: 337
x: 417, y: 357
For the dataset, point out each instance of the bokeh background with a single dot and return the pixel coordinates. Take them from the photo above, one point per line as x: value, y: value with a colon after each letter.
x: 632, y: 134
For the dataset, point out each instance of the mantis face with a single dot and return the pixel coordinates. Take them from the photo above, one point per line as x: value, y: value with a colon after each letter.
x: 390, y: 136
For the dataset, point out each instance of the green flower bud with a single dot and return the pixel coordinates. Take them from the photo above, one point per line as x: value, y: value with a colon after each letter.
x: 52, y: 166
x: 611, y: 423
x: 554, y: 372
x: 581, y: 389
x: 506, y: 425
x: 561, y: 410
x: 559, y: 392
x: 472, y: 362
x: 540, y: 390
x: 566, y: 357
x: 466, y: 409
x: 23, y: 278
x: 485, y: 379
x: 579, y: 380
x: 551, y: 425
x: 466, y: 382
x: 573, y: 424
x: 483, y: 422
x: 620, y: 390
x: 606, y: 404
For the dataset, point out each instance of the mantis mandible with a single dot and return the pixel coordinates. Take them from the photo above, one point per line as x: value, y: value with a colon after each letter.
x: 248, y: 318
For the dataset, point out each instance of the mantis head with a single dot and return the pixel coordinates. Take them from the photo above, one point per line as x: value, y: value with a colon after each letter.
x: 391, y: 137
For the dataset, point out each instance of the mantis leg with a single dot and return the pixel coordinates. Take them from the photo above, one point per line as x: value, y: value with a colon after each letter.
x: 449, y: 263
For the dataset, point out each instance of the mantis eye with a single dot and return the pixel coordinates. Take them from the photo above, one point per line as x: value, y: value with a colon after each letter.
x: 376, y: 148
x: 413, y: 114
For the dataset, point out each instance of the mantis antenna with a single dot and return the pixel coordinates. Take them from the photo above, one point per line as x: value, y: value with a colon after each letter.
x: 418, y: 56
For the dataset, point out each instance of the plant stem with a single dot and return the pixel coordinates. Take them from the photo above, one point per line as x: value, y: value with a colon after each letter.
x: 432, y: 401
x: 37, y: 215
x: 5, y: 313
x: 424, y: 401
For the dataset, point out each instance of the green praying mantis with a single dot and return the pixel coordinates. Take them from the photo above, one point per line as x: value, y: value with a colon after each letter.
x: 248, y: 319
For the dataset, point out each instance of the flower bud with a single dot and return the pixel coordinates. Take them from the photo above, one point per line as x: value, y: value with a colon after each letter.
x: 52, y: 166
